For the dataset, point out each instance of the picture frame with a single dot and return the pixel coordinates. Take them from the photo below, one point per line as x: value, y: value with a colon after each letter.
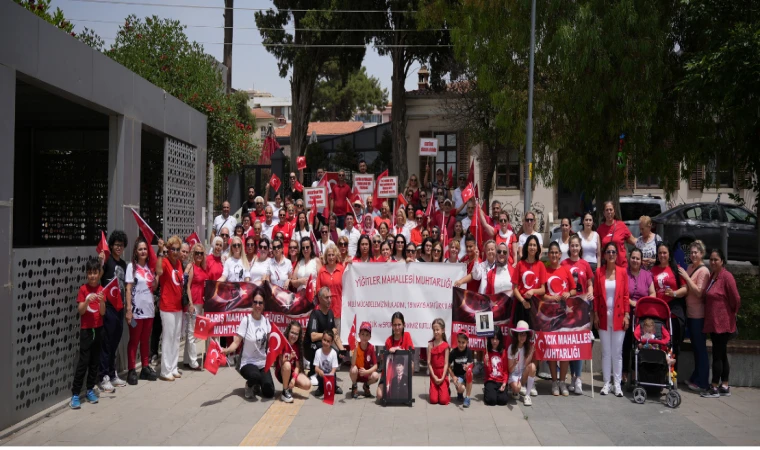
x: 397, y: 378
x: 484, y: 325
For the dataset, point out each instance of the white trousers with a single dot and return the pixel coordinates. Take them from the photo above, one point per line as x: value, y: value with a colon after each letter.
x: 172, y: 323
x: 612, y: 351
x: 191, y: 354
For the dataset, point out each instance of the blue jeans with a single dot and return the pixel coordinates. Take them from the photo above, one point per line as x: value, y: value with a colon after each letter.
x: 701, y: 373
x: 575, y: 368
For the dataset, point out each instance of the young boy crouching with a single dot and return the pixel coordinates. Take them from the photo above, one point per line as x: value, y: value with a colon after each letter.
x: 364, y: 363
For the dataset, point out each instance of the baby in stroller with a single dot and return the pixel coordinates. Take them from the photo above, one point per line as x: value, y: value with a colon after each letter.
x: 650, y: 336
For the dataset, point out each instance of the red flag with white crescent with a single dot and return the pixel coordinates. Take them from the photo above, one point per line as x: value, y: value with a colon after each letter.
x: 148, y: 234
x: 277, y: 341
x: 467, y: 193
x: 298, y: 186
x: 352, y: 336
x: 193, y: 239
x: 203, y: 327
x: 275, y: 182
x: 314, y: 246
x: 103, y: 246
x: 301, y: 162
x: 311, y: 287
x: 329, y: 381
x: 214, y: 357
x: 113, y: 294
x: 377, y: 203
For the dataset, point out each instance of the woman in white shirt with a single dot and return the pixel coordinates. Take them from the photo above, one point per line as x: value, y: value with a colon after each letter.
x: 324, y: 240
x: 308, y: 265
x: 302, y: 229
x: 564, y: 239
x: 592, y: 251
x: 260, y: 263
x: 402, y: 226
x: 236, y: 267
x: 459, y: 236
x: 529, y: 223
x: 280, y: 267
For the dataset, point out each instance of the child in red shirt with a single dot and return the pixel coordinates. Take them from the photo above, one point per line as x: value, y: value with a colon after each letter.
x: 91, y: 306
x: 399, y: 340
x: 438, y: 361
x: 364, y: 363
x: 496, y: 370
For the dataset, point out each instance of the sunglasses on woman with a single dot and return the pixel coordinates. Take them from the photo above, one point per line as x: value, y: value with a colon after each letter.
x: 343, y: 244
x: 198, y: 253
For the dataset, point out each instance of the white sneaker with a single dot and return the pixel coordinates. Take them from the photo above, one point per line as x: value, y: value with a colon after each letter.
x: 571, y: 386
x: 527, y: 401
x: 523, y: 391
x: 555, y: 388
x: 618, y: 390
x: 314, y: 381
x: 605, y: 389
x: 176, y: 373
x: 248, y: 392
x: 118, y: 382
x: 533, y: 392
x: 515, y: 395
x: 106, y: 385
x: 563, y: 389
x: 578, y: 386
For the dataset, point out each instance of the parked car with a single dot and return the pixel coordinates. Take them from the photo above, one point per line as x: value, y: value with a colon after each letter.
x: 632, y: 207
x: 689, y: 222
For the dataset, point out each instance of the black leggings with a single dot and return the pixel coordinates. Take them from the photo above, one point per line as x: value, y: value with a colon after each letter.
x: 676, y: 338
x: 255, y: 376
x: 493, y: 396
x: 720, y: 367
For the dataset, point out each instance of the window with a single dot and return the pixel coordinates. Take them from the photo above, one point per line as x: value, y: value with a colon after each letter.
x: 739, y: 215
x: 447, y: 156
x: 703, y: 213
x: 508, y: 169
x: 720, y: 172
x: 277, y: 111
x: 650, y: 181
x: 263, y: 132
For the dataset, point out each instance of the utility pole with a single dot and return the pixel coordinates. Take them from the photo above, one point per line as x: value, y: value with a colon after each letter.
x: 529, y: 128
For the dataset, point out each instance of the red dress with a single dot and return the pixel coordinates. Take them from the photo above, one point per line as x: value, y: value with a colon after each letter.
x: 439, y: 393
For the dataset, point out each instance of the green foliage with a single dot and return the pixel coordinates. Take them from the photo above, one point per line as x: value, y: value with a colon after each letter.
x: 41, y: 8
x: 158, y: 50
x: 384, y: 154
x: 345, y: 156
x: 315, y: 157
x: 748, y: 318
x: 339, y: 93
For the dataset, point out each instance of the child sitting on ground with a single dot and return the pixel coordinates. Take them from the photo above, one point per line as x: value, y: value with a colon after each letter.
x: 460, y: 368
x: 438, y: 361
x: 364, y: 362
x: 496, y: 371
x: 91, y: 306
x: 522, y: 369
x: 325, y: 361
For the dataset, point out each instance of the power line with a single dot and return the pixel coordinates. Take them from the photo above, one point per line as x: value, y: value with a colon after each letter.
x: 117, y: 22
x: 241, y: 8
x: 260, y: 44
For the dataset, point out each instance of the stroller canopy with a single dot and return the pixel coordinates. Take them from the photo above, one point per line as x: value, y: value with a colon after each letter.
x: 652, y: 307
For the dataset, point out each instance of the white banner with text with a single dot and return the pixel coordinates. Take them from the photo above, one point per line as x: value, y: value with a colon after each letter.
x: 374, y: 291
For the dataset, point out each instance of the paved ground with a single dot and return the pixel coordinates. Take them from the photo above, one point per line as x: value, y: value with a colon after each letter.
x: 201, y: 409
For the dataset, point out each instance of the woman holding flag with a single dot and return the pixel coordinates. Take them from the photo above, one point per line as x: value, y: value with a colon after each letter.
x: 308, y: 266
x: 141, y: 283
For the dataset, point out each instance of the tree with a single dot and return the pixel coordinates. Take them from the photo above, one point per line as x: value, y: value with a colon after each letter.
x: 159, y: 51
x: 403, y: 39
x: 339, y: 94
x: 345, y: 156
x: 384, y: 154
x: 41, y: 8
x: 303, y: 49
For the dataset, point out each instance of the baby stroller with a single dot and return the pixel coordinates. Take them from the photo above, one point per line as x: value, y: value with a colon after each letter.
x: 651, y: 368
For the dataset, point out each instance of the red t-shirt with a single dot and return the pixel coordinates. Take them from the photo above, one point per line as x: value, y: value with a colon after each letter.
x: 663, y: 279
x: 339, y: 195
x: 368, y: 356
x: 171, y: 286
x: 497, y: 367
x: 558, y: 281
x: 509, y: 239
x: 530, y: 276
x: 473, y: 285
x: 91, y: 317
x: 198, y: 286
x: 617, y: 233
x: 405, y: 343
x: 214, y: 267
x: 284, y: 228
x: 581, y: 268
x: 334, y: 281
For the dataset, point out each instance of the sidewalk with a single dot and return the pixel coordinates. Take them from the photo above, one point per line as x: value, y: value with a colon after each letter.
x: 201, y: 409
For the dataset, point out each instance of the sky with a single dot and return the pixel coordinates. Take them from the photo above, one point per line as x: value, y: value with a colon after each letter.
x: 252, y: 66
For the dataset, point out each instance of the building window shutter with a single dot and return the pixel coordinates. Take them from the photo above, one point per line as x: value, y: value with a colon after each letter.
x: 697, y: 178
x: 630, y: 174
x: 743, y: 179
x: 463, y: 155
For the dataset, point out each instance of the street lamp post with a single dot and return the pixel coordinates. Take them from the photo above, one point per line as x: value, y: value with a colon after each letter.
x: 529, y: 128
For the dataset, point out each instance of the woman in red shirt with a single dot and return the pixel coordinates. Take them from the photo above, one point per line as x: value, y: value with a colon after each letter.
x: 502, y: 234
x: 611, y: 315
x: 196, y: 283
x: 362, y: 250
x: 170, y: 276
x: 214, y: 264
x: 559, y: 287
x: 531, y: 276
x: 614, y: 230
x: 331, y: 276
x: 673, y: 289
x: 398, y: 340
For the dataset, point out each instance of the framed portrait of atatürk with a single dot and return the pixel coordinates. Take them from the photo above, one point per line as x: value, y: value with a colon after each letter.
x: 397, y: 382
x: 484, y: 325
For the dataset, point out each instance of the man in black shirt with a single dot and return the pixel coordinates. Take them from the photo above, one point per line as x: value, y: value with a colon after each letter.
x: 249, y: 205
x: 113, y: 320
x: 320, y: 320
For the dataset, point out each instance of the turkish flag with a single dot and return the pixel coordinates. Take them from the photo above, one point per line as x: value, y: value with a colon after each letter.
x: 149, y: 235
x: 430, y: 210
x: 313, y: 212
x: 214, y: 357
x: 103, y: 246
x: 471, y: 174
x: 314, y: 243
x: 327, y: 180
x: 203, y: 327
x: 298, y: 186
x: 275, y: 182
x: 352, y: 336
x: 276, y: 342
x: 193, y: 239
x: 311, y: 286
x: 468, y: 193
x: 400, y: 200
x: 377, y: 203
x: 451, y: 177
x: 350, y: 211
x: 301, y: 162
x: 468, y: 374
x: 113, y: 294
x: 329, y: 389
x: 355, y: 195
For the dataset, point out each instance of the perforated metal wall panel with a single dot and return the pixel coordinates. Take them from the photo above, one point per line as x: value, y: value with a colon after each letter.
x: 45, y: 334
x: 179, y: 188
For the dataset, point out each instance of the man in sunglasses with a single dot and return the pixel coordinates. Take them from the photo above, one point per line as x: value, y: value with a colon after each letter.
x: 352, y: 233
x: 467, y: 221
x: 225, y: 235
x: 223, y: 220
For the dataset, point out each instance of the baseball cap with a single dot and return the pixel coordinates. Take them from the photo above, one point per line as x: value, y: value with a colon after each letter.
x: 419, y: 213
x: 366, y: 326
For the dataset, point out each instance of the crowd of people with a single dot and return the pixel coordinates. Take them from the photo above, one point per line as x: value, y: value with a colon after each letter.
x: 276, y: 242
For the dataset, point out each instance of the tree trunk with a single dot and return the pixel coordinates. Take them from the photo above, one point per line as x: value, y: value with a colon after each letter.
x: 608, y: 187
x: 302, y: 91
x: 227, y: 55
x: 399, y: 164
